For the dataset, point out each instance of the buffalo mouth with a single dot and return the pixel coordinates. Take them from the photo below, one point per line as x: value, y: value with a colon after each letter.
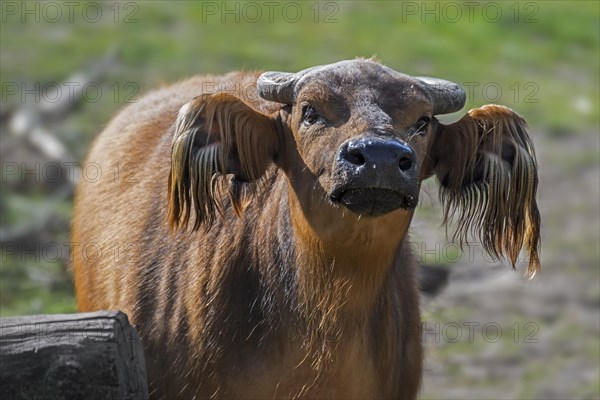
x: 374, y: 202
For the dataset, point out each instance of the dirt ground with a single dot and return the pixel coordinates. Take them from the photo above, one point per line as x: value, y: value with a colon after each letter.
x: 492, y: 334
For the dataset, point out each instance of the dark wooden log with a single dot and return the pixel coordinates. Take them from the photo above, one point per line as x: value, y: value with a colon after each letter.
x: 83, y: 356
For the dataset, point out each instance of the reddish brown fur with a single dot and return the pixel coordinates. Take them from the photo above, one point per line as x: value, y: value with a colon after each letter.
x: 292, y: 298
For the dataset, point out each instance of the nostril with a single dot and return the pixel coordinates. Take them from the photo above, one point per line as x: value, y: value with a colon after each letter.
x: 355, y: 157
x: 405, y: 163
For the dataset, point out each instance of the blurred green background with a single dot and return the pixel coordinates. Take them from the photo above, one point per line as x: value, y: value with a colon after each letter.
x: 540, y: 58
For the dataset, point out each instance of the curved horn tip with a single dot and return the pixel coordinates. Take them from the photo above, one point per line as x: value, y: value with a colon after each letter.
x: 276, y: 86
x: 447, y: 96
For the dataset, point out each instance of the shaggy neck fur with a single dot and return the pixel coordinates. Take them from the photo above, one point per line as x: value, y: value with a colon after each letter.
x: 339, y: 287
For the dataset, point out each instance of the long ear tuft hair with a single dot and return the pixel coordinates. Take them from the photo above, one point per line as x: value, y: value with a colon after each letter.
x: 489, y: 183
x: 216, y: 135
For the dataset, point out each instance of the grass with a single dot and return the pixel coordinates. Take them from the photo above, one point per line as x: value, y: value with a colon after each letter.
x: 32, y: 285
x: 546, y: 67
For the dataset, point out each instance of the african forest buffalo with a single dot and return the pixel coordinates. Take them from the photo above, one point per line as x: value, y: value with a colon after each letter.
x: 262, y: 225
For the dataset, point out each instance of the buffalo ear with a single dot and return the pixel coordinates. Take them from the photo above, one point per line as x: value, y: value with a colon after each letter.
x: 217, y: 135
x: 487, y: 168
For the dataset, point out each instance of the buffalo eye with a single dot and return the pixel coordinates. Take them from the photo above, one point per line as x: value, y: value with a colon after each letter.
x: 309, y: 115
x: 421, y: 125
